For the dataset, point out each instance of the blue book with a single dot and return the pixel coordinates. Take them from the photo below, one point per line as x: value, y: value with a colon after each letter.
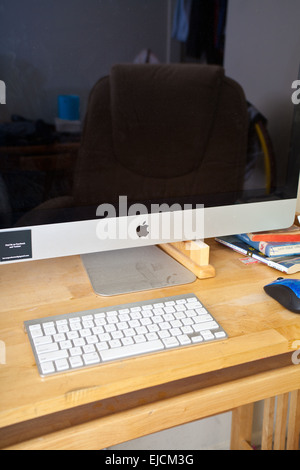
x: 272, y: 249
x: 286, y: 264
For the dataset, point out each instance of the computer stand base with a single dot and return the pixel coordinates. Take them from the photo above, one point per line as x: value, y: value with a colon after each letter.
x: 133, y: 270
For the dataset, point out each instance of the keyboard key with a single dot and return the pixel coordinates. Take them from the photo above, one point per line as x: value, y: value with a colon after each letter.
x: 151, y: 336
x: 62, y: 364
x: 85, y: 332
x: 220, y: 334
x: 129, y: 332
x: 92, y: 339
x: 131, y: 350
x: 72, y: 334
x: 88, y: 348
x: 47, y: 368
x: 184, y: 339
x: 88, y: 324
x: 117, y: 334
x: 201, y: 311
x: 187, y: 329
x: 79, y: 342
x: 42, y: 348
x: 48, y: 324
x: 115, y: 343
x: 158, y: 311
x: 59, y: 337
x: 76, y: 361
x: 210, y: 325
x: 175, y: 331
x: 207, y: 335
x: 139, y: 338
x: 171, y: 342
x: 63, y: 328
x: 35, y: 327
x: 104, y: 337
x: 169, y: 309
x: 74, y: 320
x: 42, y: 340
x: 99, y: 315
x: 192, y: 299
x: 127, y: 340
x: 87, y: 318
x: 180, y: 308
x: 91, y: 358
x: 197, y: 339
x: 53, y: 356
x: 147, y: 307
x: 37, y: 332
x: 164, y: 334
x: 65, y: 344
x: 101, y: 346
x: 77, y: 351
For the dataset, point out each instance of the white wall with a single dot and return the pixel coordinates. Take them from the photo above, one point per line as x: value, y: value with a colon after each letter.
x: 55, y: 47
x: 263, y: 55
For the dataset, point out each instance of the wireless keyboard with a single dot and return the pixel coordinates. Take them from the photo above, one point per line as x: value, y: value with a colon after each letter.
x: 93, y: 337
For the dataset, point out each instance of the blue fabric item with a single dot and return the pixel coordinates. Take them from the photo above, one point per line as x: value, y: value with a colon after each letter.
x: 181, y: 20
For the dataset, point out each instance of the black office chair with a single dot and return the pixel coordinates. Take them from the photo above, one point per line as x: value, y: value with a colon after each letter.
x: 166, y: 131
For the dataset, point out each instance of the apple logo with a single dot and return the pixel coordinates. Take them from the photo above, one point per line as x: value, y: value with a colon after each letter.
x: 142, y: 230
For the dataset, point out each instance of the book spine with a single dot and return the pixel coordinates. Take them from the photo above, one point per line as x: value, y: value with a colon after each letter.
x: 280, y: 250
x: 270, y: 263
x: 233, y: 247
x: 262, y: 259
x: 275, y: 238
x: 271, y: 249
x: 250, y: 242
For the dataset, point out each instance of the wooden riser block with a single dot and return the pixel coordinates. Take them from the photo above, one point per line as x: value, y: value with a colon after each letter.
x: 194, y: 255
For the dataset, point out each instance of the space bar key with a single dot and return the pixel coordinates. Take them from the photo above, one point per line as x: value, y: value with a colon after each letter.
x: 131, y: 350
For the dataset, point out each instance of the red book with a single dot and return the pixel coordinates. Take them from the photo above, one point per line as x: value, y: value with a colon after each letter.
x: 291, y: 234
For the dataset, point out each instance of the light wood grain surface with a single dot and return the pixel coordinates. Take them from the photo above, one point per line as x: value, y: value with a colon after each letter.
x: 257, y: 326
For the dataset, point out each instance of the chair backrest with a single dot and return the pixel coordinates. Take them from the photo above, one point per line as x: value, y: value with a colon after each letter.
x: 176, y: 126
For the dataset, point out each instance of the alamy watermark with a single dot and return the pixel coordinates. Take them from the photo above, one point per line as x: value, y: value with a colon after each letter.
x: 2, y: 92
x: 296, y: 94
x: 2, y: 352
x: 175, y: 221
x: 296, y: 354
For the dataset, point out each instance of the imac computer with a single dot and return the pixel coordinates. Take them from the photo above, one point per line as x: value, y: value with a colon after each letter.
x: 47, y: 170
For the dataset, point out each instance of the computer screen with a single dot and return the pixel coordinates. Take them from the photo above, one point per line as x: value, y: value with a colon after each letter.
x: 57, y: 200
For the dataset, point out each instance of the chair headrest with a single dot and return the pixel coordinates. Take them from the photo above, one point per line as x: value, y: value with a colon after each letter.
x: 162, y: 116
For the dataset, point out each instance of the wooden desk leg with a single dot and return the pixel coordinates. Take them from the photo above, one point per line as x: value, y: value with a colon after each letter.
x: 281, y: 420
x: 241, y: 427
x: 294, y: 422
x: 276, y: 412
x: 268, y: 424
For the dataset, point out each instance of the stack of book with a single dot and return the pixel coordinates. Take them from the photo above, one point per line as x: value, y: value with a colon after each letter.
x: 279, y: 249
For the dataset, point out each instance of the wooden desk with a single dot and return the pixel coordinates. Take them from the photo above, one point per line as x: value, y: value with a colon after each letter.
x: 39, y: 157
x: 49, y: 167
x: 115, y: 402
